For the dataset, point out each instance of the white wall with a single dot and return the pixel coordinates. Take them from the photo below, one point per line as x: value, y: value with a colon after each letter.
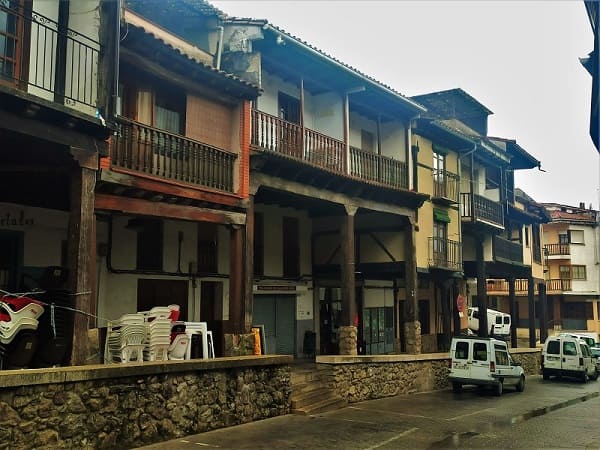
x: 587, y: 254
x: 393, y: 143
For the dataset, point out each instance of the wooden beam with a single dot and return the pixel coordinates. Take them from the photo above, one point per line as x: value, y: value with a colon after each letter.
x: 147, y: 208
x: 51, y: 133
x: 261, y: 179
x: 142, y: 181
x: 81, y: 257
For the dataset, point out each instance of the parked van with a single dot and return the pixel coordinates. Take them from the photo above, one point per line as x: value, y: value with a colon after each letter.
x: 483, y: 362
x: 568, y: 356
x: 498, y: 322
x: 590, y: 338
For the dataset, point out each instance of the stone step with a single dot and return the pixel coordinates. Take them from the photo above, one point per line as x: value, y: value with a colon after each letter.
x: 310, y: 397
x: 300, y: 376
x: 308, y: 386
x: 328, y: 404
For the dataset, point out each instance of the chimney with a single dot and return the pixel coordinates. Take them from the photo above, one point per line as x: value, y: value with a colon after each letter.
x: 582, y: 205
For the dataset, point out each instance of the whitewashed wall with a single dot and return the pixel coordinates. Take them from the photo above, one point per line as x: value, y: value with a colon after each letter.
x: 587, y: 254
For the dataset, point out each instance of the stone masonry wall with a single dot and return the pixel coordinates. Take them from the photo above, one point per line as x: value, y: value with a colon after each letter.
x: 136, y: 410
x: 531, y: 362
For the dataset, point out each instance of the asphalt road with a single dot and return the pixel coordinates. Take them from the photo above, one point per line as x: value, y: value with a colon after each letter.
x: 549, y: 414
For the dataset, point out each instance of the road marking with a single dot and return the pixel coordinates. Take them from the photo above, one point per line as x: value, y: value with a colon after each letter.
x: 381, y: 444
x: 207, y: 445
x: 347, y: 420
x: 471, y: 414
x: 390, y: 412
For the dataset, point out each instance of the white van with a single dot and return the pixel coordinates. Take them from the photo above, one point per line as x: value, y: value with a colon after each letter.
x: 498, y: 322
x: 568, y: 356
x: 483, y: 362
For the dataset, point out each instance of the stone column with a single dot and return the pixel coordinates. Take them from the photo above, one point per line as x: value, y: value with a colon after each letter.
x: 412, y: 327
x: 513, y: 312
x: 348, y: 283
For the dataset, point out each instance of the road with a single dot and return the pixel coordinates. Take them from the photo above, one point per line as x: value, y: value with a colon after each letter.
x: 549, y: 414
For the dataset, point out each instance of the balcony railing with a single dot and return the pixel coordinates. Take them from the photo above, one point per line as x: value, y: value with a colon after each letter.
x: 380, y: 169
x: 445, y: 185
x: 445, y: 254
x: 166, y: 155
x: 558, y: 285
x: 557, y: 249
x: 270, y: 133
x: 507, y: 251
x: 495, y: 285
x: 476, y: 207
x: 38, y: 56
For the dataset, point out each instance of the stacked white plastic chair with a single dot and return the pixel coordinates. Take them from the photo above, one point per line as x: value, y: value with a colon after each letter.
x: 125, y: 339
x: 25, y: 318
x: 158, y: 339
x: 200, y: 328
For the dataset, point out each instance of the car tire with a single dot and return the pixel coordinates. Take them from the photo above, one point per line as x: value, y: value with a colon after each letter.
x: 545, y: 375
x: 456, y: 387
x: 521, y: 384
x: 499, y: 389
x: 584, y: 378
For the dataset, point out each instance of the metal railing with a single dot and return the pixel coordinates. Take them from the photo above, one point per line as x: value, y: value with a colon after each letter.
x: 42, y: 58
x: 445, y: 185
x: 270, y: 133
x: 445, y: 254
x: 507, y: 250
x: 162, y: 154
x: 557, y: 249
x: 477, y: 207
x: 380, y: 169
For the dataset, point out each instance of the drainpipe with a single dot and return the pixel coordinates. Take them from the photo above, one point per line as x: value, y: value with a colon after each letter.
x: 220, y: 47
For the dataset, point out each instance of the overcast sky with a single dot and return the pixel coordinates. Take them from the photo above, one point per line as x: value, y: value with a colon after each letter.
x: 518, y: 58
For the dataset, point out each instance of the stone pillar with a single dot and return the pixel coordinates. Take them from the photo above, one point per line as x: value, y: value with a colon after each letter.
x: 512, y: 300
x: 348, y: 338
x: 81, y: 257
x: 412, y: 327
x: 347, y: 271
x: 531, y: 300
x: 481, y: 288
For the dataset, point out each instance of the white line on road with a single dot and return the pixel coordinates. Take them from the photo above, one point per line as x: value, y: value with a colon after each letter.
x: 390, y: 412
x: 381, y: 444
x: 347, y: 420
x: 207, y: 445
x: 471, y: 414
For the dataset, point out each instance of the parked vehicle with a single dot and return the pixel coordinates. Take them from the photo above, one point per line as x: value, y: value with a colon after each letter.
x: 590, y: 338
x: 483, y: 362
x: 498, y: 322
x: 568, y: 356
x: 596, y: 358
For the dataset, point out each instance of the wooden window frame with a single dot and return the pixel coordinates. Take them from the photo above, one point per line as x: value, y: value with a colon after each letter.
x: 22, y: 39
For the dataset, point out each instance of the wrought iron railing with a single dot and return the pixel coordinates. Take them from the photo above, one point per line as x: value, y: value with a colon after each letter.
x: 445, y: 185
x: 480, y: 208
x: 507, y: 251
x: 162, y: 154
x: 41, y: 57
x: 270, y: 133
x: 445, y: 254
x: 380, y: 169
x: 557, y: 249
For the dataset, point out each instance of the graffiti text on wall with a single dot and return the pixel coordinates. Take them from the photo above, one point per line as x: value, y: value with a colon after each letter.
x: 8, y: 219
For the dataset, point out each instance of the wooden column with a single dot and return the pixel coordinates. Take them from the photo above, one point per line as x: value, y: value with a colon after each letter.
x: 412, y: 326
x: 249, y: 265
x: 531, y: 298
x: 481, y: 289
x: 236, y: 280
x: 81, y: 257
x: 455, y: 312
x: 446, y: 314
x: 543, y: 312
x: 512, y: 300
x: 348, y: 336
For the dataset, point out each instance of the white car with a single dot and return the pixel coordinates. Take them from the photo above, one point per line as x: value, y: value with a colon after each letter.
x: 483, y: 362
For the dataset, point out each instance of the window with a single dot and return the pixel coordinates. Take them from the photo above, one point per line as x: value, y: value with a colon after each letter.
x: 462, y: 350
x: 578, y: 273
x: 11, y: 40
x: 585, y: 350
x: 553, y: 348
x: 563, y: 238
x: 149, y: 243
x: 439, y: 175
x: 502, y: 357
x: 564, y: 272
x: 367, y: 140
x: 526, y: 236
x: 259, y: 246
x: 480, y: 351
x: 536, y: 241
x: 289, y: 108
x: 440, y: 243
x: 569, y: 349
x: 576, y: 237
x: 291, y: 247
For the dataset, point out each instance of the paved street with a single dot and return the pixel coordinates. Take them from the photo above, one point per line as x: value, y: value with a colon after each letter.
x: 549, y: 414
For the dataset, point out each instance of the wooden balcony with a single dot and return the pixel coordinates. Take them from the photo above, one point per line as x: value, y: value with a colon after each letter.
x: 445, y: 186
x: 272, y: 134
x: 553, y: 286
x: 480, y: 209
x: 557, y: 249
x: 445, y: 254
x: 507, y: 251
x: 161, y: 154
x: 40, y: 57
x: 558, y: 285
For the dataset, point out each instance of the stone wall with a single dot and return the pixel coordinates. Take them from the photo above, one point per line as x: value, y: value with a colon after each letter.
x: 359, y: 378
x: 133, y: 405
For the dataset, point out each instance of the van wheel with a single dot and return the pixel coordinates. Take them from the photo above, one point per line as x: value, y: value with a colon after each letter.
x: 545, y: 375
x: 521, y: 384
x: 456, y: 387
x: 499, y: 388
x: 584, y: 377
x: 595, y: 377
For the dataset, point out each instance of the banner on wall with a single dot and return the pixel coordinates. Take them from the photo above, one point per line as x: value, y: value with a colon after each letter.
x: 461, y: 304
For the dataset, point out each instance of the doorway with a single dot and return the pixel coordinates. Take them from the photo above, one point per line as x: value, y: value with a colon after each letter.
x: 278, y: 315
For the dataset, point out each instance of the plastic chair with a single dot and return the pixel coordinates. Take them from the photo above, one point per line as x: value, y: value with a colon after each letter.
x: 178, y: 348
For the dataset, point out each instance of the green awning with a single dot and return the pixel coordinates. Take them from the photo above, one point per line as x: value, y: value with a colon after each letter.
x: 441, y: 215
